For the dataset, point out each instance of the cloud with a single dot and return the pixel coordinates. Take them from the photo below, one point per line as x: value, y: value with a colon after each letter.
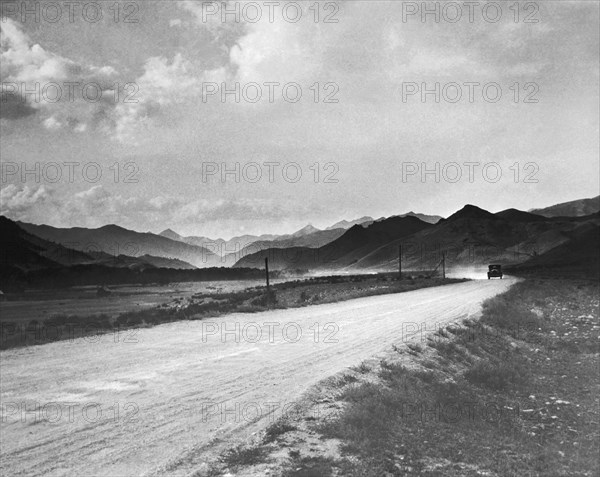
x: 13, y: 106
x: 263, y: 50
x: 97, y: 206
x: 163, y: 84
x: 52, y: 123
x: 80, y: 127
x: 35, y: 80
x: 220, y: 32
x: 15, y: 201
x: 260, y: 52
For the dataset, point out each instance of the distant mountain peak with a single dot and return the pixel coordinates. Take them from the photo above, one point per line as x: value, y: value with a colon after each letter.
x: 430, y: 219
x: 111, y: 227
x: 171, y: 234
x: 347, y: 224
x: 470, y: 211
x: 517, y: 215
x: 309, y: 229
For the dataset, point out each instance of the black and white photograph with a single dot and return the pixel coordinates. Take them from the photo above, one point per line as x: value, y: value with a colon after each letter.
x: 301, y: 238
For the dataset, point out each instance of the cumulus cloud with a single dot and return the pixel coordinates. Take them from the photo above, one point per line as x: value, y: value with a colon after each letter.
x: 163, y: 84
x: 52, y: 123
x: 97, y: 206
x: 15, y: 201
x: 35, y: 80
x: 91, y: 207
x: 258, y: 52
x: 262, y: 50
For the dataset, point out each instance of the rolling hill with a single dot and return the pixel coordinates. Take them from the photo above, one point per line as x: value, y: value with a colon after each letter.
x: 314, y: 239
x: 25, y: 251
x: 114, y: 240
x: 574, y: 208
x: 231, y: 250
x: 430, y: 219
x: 354, y: 244
x: 469, y: 237
x: 475, y: 237
x: 577, y: 256
x: 219, y: 246
x: 346, y: 224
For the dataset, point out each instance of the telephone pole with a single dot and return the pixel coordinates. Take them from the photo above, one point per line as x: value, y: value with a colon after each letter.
x: 444, y: 265
x: 399, y: 262
x: 267, y: 274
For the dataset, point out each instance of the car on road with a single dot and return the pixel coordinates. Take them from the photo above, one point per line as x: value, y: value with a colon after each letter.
x: 494, y: 271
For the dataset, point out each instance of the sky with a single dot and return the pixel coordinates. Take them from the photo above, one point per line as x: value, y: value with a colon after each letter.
x: 127, y: 112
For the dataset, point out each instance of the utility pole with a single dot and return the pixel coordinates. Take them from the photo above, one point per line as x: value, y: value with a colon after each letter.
x: 267, y: 274
x: 399, y: 262
x: 444, y: 265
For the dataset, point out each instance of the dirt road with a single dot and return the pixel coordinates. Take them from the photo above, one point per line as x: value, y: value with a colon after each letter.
x: 162, y: 400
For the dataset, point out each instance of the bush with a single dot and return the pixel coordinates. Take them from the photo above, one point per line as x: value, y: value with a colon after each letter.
x: 265, y: 300
x: 57, y: 320
x: 244, y: 456
x: 99, y: 322
x: 495, y: 376
x: 509, y: 313
x: 304, y: 297
x: 277, y: 429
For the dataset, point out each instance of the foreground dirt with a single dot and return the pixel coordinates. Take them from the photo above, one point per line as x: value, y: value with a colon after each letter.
x: 167, y: 400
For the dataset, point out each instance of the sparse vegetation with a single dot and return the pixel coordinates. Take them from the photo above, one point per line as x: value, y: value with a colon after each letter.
x: 414, y: 348
x: 199, y: 306
x: 362, y: 368
x: 243, y: 456
x: 497, y: 376
x: 278, y: 428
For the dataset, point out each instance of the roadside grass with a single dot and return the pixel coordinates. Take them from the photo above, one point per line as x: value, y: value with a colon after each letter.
x: 496, y: 376
x: 362, y: 368
x: 513, y: 394
x: 285, y: 295
x: 243, y: 456
x: 417, y: 422
x: 278, y: 428
x: 314, y: 467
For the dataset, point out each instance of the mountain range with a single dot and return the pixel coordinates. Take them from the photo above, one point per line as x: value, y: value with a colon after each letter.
x: 114, y: 240
x: 470, y: 236
x: 308, y: 236
x: 25, y: 251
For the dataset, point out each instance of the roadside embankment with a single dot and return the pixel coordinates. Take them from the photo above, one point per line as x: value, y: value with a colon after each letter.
x: 513, y: 393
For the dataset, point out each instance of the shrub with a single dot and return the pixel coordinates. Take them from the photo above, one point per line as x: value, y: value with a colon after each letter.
x: 304, y: 297
x: 495, y: 376
x: 57, y: 320
x: 244, y: 456
x: 362, y: 368
x: 414, y: 348
x: 265, y: 299
x: 277, y: 429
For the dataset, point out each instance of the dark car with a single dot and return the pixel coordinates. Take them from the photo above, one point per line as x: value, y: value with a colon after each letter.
x: 494, y: 271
